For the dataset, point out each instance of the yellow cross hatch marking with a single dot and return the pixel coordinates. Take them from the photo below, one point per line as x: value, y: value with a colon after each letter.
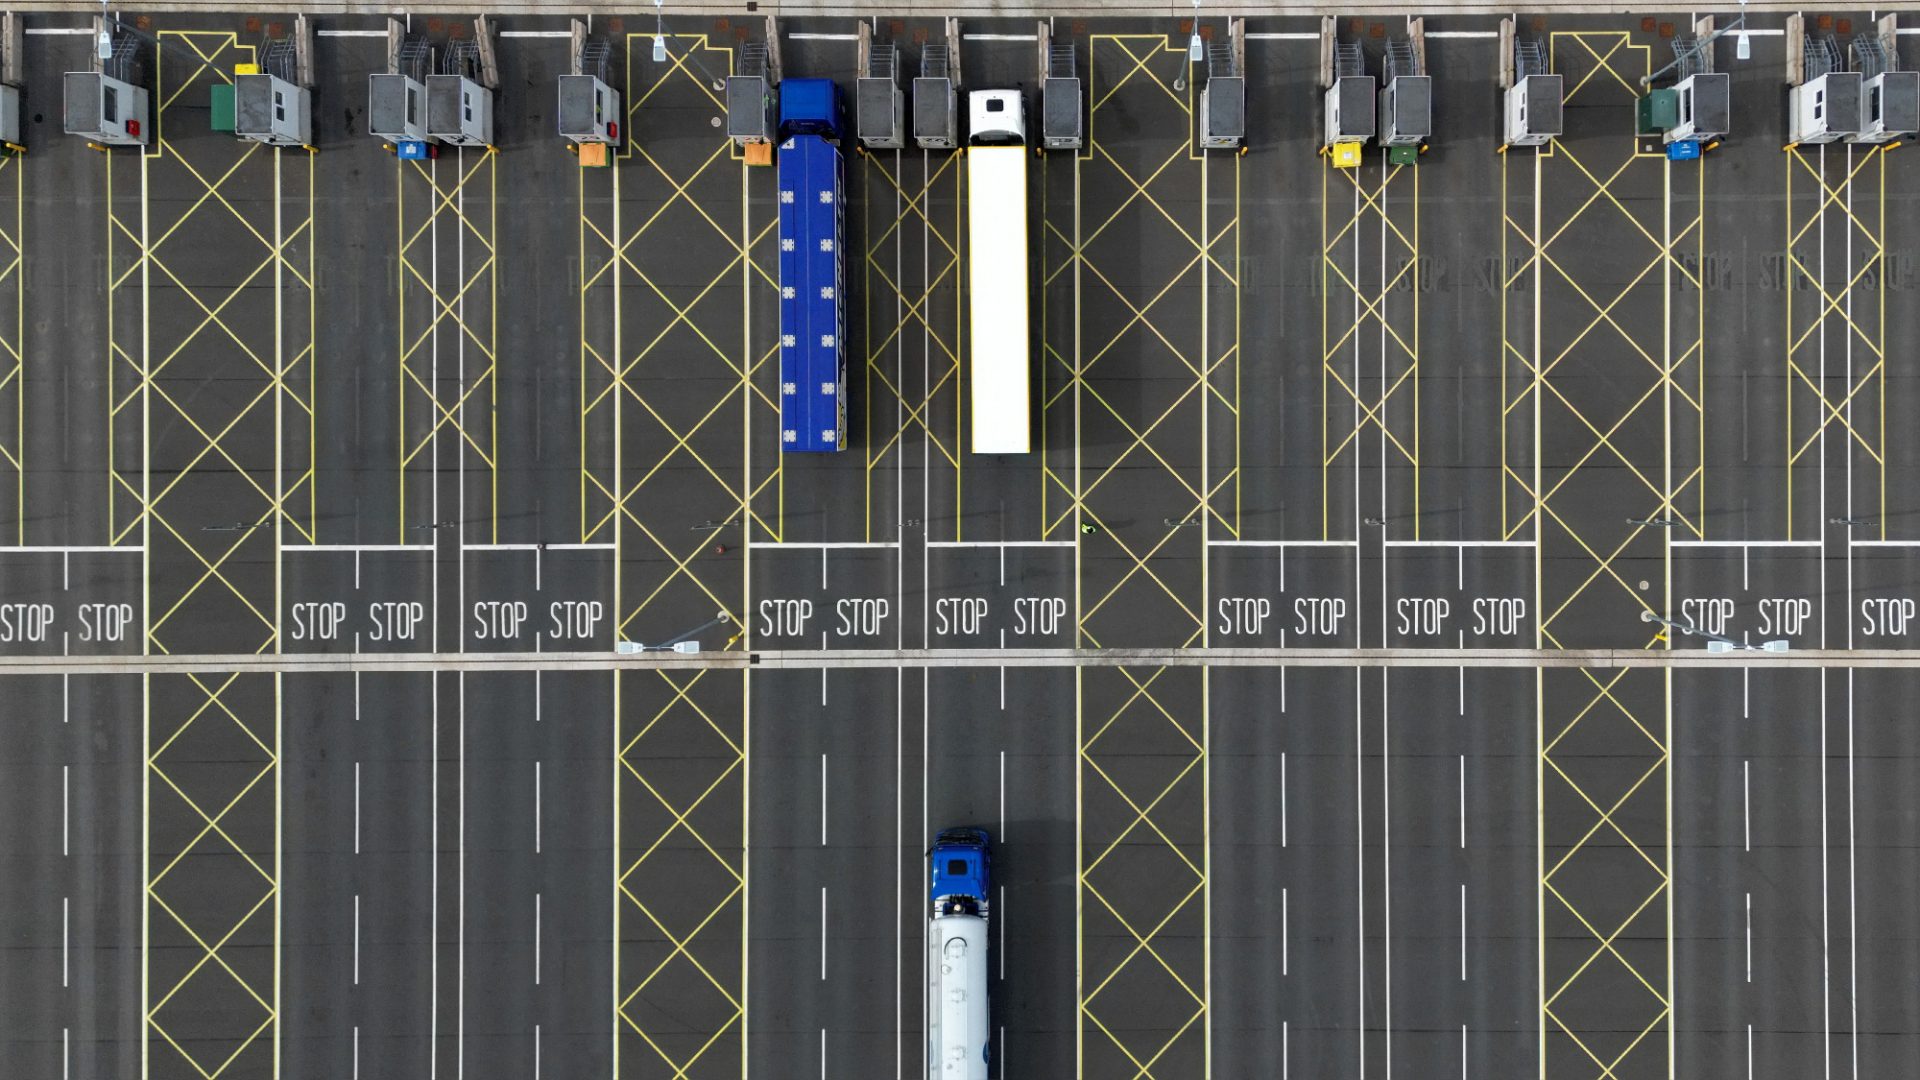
x: 623, y: 209
x: 221, y: 321
x: 1133, y: 74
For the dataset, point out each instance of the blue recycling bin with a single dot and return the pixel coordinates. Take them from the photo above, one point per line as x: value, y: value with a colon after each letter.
x: 1683, y: 150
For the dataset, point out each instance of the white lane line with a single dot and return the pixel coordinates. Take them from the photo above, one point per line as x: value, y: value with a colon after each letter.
x: 356, y: 939
x: 66, y: 786
x: 1463, y: 802
x: 1446, y: 543
x: 66, y: 1054
x: 1463, y: 1052
x: 1285, y: 1038
x: 536, y: 1052
x: 823, y: 676
x: 1746, y: 802
x: 1826, y: 891
x: 1283, y: 789
x: 1283, y: 544
x: 823, y: 1054
x: 55, y: 549
x: 1853, y: 921
x: 65, y: 950
x: 1000, y: 1051
x: 1386, y: 833
x: 823, y: 800
x: 1000, y: 931
x: 536, y: 808
x: 536, y: 939
x: 1003, y: 797
x: 1746, y: 693
x: 356, y: 803
x: 1749, y: 937
x: 810, y: 545
x: 1283, y: 931
x: 460, y: 914
x: 1463, y: 931
x: 823, y: 933
x: 1749, y: 1052
x: 356, y: 1052
x: 1003, y: 675
x: 1747, y: 543
x: 1003, y: 545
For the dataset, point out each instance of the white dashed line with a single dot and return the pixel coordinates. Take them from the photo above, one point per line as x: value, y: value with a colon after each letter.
x: 1003, y: 797
x: 1463, y: 931
x: 1283, y: 795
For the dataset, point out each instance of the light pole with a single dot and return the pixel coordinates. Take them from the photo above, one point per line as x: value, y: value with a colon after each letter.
x: 682, y: 643
x: 1717, y: 643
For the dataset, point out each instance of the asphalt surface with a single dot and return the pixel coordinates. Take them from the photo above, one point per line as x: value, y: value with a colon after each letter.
x: 278, y: 401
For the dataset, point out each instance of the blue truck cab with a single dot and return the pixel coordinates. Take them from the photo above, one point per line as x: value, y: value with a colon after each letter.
x: 810, y: 107
x: 962, y: 872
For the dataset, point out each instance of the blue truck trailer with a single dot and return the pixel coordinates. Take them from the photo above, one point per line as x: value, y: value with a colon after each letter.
x: 813, y: 371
